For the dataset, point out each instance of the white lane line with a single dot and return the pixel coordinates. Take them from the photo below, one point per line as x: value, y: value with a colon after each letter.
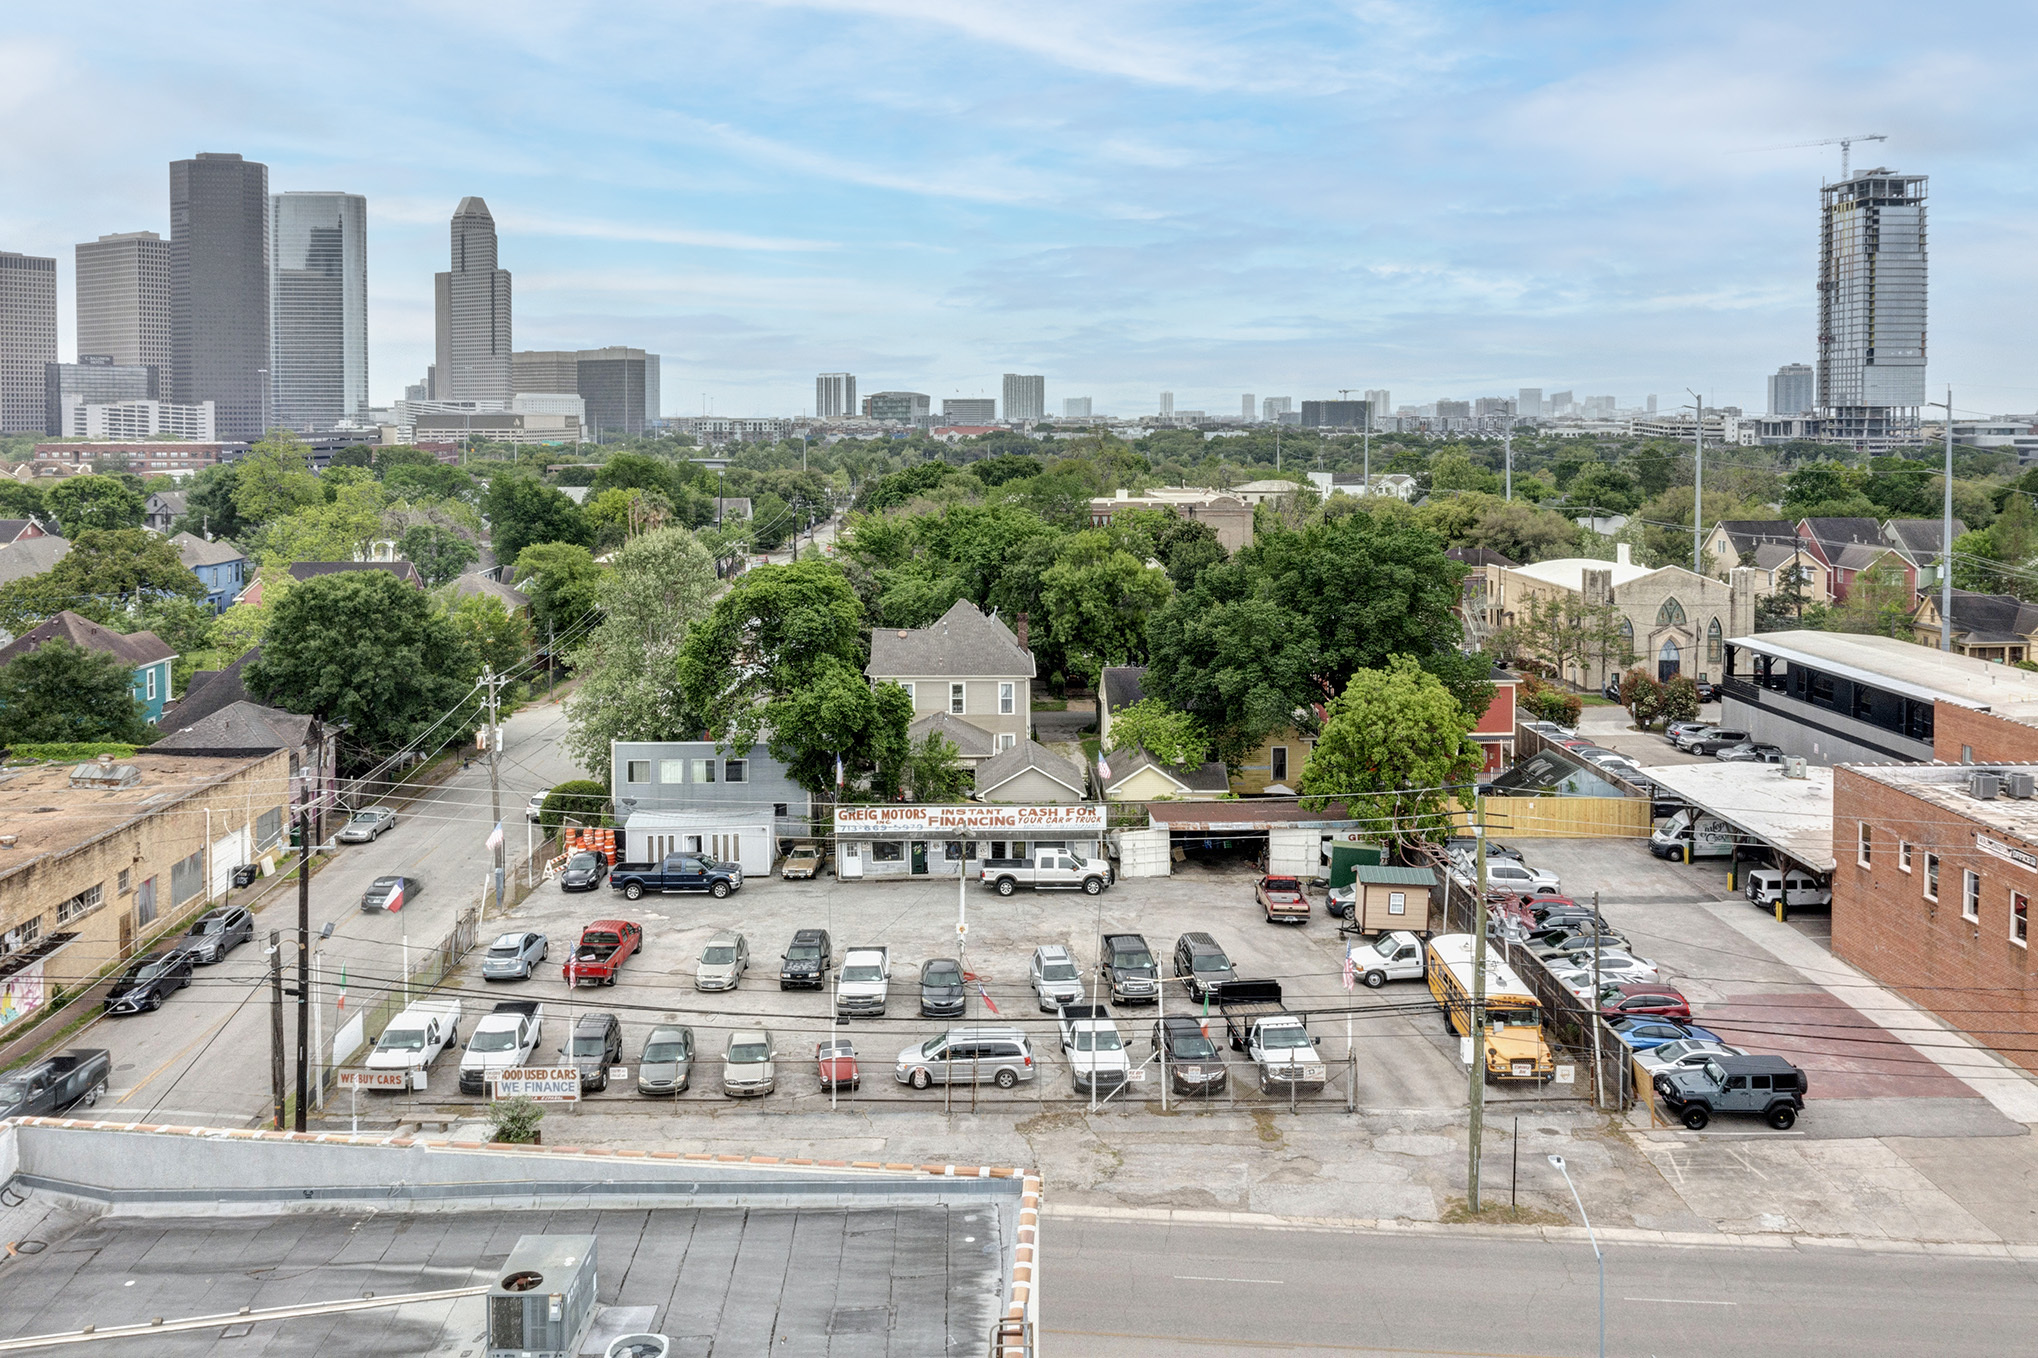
x: 1682, y: 1301
x: 1262, y: 1282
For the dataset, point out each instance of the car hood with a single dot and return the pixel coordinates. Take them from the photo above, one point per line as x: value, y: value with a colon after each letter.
x: 716, y: 971
x: 125, y: 986
x: 580, y: 874
x: 661, y: 1070
x: 938, y: 990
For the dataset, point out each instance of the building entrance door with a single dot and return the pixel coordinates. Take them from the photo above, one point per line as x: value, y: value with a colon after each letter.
x: 1668, y: 663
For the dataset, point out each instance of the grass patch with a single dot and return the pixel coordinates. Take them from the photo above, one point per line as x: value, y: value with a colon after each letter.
x: 1594, y: 700
x: 1050, y: 704
x: 1456, y: 1213
x: 74, y: 752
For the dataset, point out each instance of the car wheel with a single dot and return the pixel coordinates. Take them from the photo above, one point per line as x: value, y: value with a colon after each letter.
x: 1783, y: 1117
x: 1007, y: 1078
x: 602, y: 1083
x: 92, y: 1095
x: 921, y: 1079
x: 1092, y: 885
x: 156, y: 1001
x: 1695, y: 1117
x: 719, y: 890
x: 1006, y: 886
x: 634, y: 891
x: 1375, y: 979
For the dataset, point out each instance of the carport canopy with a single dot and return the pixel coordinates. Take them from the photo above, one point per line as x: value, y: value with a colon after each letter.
x: 1791, y: 816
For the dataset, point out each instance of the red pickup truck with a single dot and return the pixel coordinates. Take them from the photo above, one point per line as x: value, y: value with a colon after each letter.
x: 599, y: 955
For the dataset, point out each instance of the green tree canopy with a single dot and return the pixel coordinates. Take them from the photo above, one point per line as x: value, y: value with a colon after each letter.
x: 1396, y: 748
x: 106, y: 571
x: 523, y: 512
x: 439, y: 554
x: 275, y: 479
x: 60, y: 693
x: 766, y: 638
x: 210, y: 510
x: 1168, y: 735
x: 92, y: 501
x: 562, y: 580
x: 20, y: 499
x: 490, y: 633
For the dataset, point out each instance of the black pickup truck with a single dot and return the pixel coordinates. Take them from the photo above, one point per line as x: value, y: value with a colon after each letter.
x: 56, y: 1083
x: 679, y: 872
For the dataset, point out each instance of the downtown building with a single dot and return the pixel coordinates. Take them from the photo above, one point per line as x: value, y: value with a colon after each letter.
x: 94, y: 379
x: 1025, y: 397
x: 835, y: 396
x: 318, y: 298
x: 617, y: 385
x: 219, y: 290
x: 471, y: 307
x: 1872, y: 258
x: 28, y: 339
x: 903, y: 407
x: 124, y: 310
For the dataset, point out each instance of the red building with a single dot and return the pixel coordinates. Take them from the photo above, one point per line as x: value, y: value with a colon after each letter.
x: 1495, y: 731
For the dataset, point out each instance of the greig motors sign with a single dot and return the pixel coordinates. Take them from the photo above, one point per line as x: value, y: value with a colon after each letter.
x: 1018, y: 822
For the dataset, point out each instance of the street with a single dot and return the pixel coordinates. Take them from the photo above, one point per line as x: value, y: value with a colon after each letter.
x: 204, y: 1057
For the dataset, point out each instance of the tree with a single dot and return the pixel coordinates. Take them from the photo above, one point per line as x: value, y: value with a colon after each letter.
x: 92, y: 501
x: 582, y: 799
x: 439, y: 554
x: 1603, y: 489
x: 1878, y: 603
x: 1096, y: 599
x: 340, y: 528
x: 633, y: 471
x: 1680, y: 698
x: 209, y: 507
x: 1522, y: 533
x: 275, y: 479
x: 186, y: 626
x: 21, y: 500
x: 1396, y: 748
x: 933, y: 771
x: 765, y: 638
x: 59, y: 693
x: 1171, y: 736
x: 428, y: 481
x: 562, y: 580
x: 838, y: 715
x: 1642, y: 696
x: 365, y: 649
x: 106, y: 571
x: 617, y: 515
x: 491, y: 633
x: 523, y: 511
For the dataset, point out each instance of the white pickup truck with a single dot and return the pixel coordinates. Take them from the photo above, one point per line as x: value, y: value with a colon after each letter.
x: 1277, y: 1041
x: 1393, y: 956
x: 503, y: 1040
x: 1047, y: 870
x: 1094, y: 1050
x: 861, y: 983
x: 415, y: 1037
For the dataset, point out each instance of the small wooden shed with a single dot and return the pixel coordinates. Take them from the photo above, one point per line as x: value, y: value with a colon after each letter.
x: 1392, y: 898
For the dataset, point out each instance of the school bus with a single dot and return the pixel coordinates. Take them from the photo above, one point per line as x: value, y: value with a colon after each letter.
x: 1515, y: 1049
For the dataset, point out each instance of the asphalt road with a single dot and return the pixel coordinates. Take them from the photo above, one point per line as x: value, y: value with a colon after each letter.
x: 1132, y: 1287
x: 205, y: 1056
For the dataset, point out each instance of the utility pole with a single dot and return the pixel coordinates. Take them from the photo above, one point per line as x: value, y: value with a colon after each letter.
x: 1478, y: 1014
x: 1697, y: 479
x: 303, y: 967
x: 1946, y: 539
x: 494, y: 682
x: 276, y: 1023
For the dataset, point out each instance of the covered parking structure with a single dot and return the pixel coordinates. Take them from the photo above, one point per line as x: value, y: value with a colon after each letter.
x: 1781, y: 821
x: 1275, y: 832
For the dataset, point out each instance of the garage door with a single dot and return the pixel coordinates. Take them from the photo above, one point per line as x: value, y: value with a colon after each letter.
x: 227, y: 854
x: 1293, y: 852
x: 1143, y: 853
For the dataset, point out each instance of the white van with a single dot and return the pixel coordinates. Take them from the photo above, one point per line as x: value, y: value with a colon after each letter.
x: 1795, y: 887
x: 1688, y: 835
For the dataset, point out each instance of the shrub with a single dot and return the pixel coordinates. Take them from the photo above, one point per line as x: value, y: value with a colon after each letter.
x: 515, y: 1120
x: 585, y: 800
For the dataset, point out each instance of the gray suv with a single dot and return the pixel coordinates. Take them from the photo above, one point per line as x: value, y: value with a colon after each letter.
x: 1768, y: 1085
x: 218, y: 932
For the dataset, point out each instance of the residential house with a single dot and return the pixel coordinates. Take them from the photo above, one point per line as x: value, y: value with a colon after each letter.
x: 19, y: 530
x: 1276, y: 763
x: 1274, y: 766
x: 1986, y: 626
x: 1733, y: 542
x: 1848, y: 547
x: 1918, y: 539
x: 964, y: 664
x: 305, y: 570
x: 1031, y: 774
x: 1136, y: 776
x: 242, y: 729
x: 1270, y: 491
x: 144, y: 652
x: 973, y: 744
x: 1400, y: 485
x: 25, y: 557
x: 1226, y: 514
x: 1118, y: 687
x: 219, y: 566
x: 164, y: 508
x: 1480, y: 592
x: 513, y: 600
x: 207, y: 692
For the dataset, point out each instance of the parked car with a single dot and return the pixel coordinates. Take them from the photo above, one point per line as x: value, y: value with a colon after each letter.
x: 1054, y: 976
x: 806, y: 961
x: 1577, y: 980
x: 985, y: 1053
x: 1195, y: 1066
x: 585, y: 870
x: 511, y: 956
x: 1613, y: 762
x: 366, y: 826
x: 1464, y: 846
x: 1200, y: 962
x: 804, y: 862
x: 1282, y: 900
x: 390, y: 894
x: 1768, y: 1085
x: 415, y: 1038
x: 1690, y: 1051
x: 1512, y: 875
x: 148, y: 981
x: 216, y: 933
x: 1640, y: 1034
x: 1713, y: 741
x: 502, y: 1039
x: 1046, y: 870
x: 1625, y: 998
x: 676, y: 874
x: 597, y: 1044
x: 1751, y: 752
x: 536, y: 806
x: 1129, y: 965
x: 1677, y: 732
x: 723, y: 962
x: 941, y: 992
x: 750, y: 1069
x: 835, y: 1057
x: 864, y: 982
x: 1616, y: 965
x: 1340, y: 901
x: 1708, y: 692
x: 1395, y: 956
x: 665, y: 1066
x: 1583, y: 938
x: 1797, y: 887
x: 56, y: 1084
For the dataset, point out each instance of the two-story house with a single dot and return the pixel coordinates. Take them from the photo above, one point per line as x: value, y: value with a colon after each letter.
x: 966, y: 666
x: 144, y: 652
x: 163, y: 508
x: 690, y: 796
x: 219, y: 566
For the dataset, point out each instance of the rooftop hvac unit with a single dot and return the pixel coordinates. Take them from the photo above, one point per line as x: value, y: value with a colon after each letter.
x: 544, y: 1301
x: 1983, y: 786
x: 2019, y: 784
x: 1793, y: 766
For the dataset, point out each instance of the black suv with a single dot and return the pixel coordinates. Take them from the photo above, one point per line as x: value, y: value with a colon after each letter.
x: 1200, y: 962
x: 1768, y: 1085
x: 151, y: 979
x: 216, y: 933
x: 597, y: 1045
x: 806, y: 961
x: 1128, y: 964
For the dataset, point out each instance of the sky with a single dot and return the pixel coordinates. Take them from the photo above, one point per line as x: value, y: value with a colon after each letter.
x: 1440, y: 199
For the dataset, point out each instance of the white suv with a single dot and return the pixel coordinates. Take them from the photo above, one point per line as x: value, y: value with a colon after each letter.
x: 1512, y: 875
x: 1055, y: 976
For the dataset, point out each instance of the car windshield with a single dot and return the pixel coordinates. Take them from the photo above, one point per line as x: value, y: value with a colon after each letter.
x: 862, y: 973
x: 942, y: 973
x: 1098, y: 1039
x: 588, y: 1044
x: 802, y: 952
x: 720, y: 956
x: 402, y: 1040
x: 1716, y: 1072
x: 671, y: 1049
x: 500, y: 1040
x: 13, y: 1091
x: 835, y: 1051
x: 1057, y: 971
x: 149, y: 971
x: 1134, y: 963
x: 1284, y: 1037
x: 1209, y: 961
x: 1386, y: 945
x: 748, y: 1053
x: 365, y: 818
x: 582, y: 860
x: 1193, y: 1046
x: 1288, y: 884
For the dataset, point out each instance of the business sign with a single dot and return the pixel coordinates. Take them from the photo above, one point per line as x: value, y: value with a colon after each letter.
x: 393, y: 1080
x: 1017, y: 821
x: 1995, y: 848
x: 540, y: 1084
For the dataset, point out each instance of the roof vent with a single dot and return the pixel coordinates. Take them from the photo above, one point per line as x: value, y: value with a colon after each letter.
x: 1983, y: 785
x: 2019, y: 785
x: 106, y: 776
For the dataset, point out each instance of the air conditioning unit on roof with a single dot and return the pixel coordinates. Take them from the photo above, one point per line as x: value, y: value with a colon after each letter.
x: 1983, y: 785
x: 2019, y: 784
x: 1793, y: 766
x: 543, y: 1304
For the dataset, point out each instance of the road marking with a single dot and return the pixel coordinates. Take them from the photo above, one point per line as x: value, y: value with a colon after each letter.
x: 1292, y: 1346
x: 143, y: 1083
x: 1682, y: 1301
x: 1200, y: 1278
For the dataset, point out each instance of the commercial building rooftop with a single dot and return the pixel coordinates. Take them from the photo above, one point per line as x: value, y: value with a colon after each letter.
x: 1946, y: 785
x: 1907, y: 668
x: 48, y: 810
x: 1792, y: 815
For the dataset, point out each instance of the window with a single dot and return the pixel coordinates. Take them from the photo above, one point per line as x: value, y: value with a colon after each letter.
x: 1931, y: 877
x: 909, y: 689
x: 1397, y: 902
x: 151, y: 680
x: 1715, y: 642
x: 952, y: 851
x: 1627, y: 636
x: 672, y: 770
x: 268, y: 827
x: 887, y: 851
x: 125, y: 883
x: 637, y: 771
x: 83, y: 903
x: 1671, y: 614
x: 21, y: 935
x: 1006, y: 740
x: 1903, y: 854
x: 187, y: 878
x: 703, y: 771
x: 955, y: 699
x: 1008, y: 701
x: 778, y: 809
x: 1970, y: 895
x: 1862, y: 845
x: 1280, y: 764
x: 2020, y: 919
x: 145, y: 903
x: 735, y: 770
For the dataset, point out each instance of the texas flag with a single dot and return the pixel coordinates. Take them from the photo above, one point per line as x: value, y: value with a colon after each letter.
x: 395, y: 902
x: 985, y: 996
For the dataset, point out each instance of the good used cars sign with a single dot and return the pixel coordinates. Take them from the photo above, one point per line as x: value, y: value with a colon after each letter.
x: 541, y: 1084
x: 1017, y: 821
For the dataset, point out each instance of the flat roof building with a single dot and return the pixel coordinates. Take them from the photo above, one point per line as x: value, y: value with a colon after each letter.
x: 28, y: 339
x: 123, y: 283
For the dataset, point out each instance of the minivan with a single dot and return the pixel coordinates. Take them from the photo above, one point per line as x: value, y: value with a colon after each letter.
x: 1002, y: 1056
x: 1200, y: 962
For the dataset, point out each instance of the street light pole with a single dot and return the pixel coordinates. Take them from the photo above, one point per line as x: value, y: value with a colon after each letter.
x: 1593, y: 1236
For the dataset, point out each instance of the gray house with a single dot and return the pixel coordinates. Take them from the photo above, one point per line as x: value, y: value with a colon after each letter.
x: 694, y: 779
x: 965, y: 665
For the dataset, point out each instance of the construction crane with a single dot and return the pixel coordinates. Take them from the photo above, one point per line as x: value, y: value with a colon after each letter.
x: 1846, y: 145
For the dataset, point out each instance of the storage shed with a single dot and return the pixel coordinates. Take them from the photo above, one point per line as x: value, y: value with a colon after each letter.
x: 1392, y: 898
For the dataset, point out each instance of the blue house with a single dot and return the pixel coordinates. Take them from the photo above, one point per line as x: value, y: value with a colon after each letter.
x: 144, y: 652
x: 219, y: 565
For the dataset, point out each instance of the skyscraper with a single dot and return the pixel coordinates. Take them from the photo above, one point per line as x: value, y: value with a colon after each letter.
x: 1167, y: 403
x: 1025, y: 397
x: 834, y: 396
x: 123, y: 284
x: 219, y: 289
x: 473, y: 306
x: 318, y: 308
x: 653, y: 411
x: 1075, y: 407
x: 1528, y: 401
x: 28, y: 338
x: 1871, y: 377
x: 1791, y: 391
x: 611, y: 381
x: 1378, y: 402
x: 1274, y: 407
x: 1248, y: 407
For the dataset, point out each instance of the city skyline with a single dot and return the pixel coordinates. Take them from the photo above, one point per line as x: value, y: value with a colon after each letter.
x: 1645, y: 240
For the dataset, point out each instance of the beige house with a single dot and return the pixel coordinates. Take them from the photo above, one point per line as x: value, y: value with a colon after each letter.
x: 1276, y: 763
x: 1772, y: 546
x: 99, y: 860
x: 1227, y: 514
x: 1031, y: 774
x: 1136, y: 776
x: 965, y: 665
